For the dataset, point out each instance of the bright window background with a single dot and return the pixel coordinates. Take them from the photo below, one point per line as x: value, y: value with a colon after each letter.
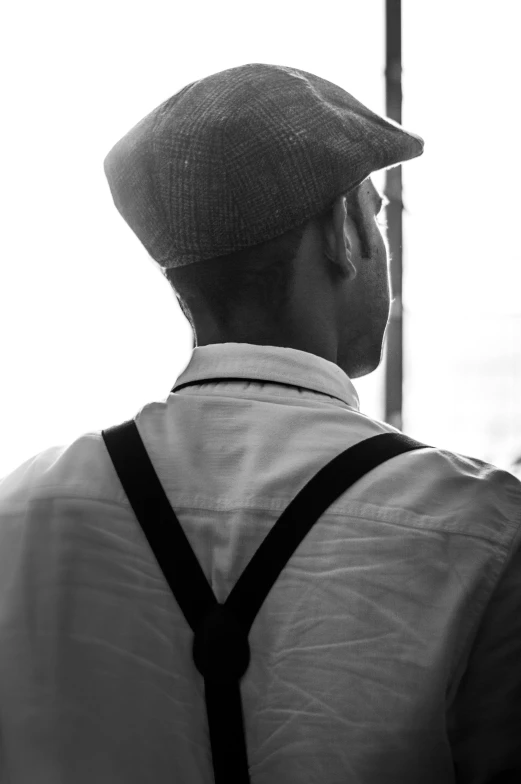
x: 90, y: 329
x: 462, y: 284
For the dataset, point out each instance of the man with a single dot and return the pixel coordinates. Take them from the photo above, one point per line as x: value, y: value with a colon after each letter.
x: 388, y: 646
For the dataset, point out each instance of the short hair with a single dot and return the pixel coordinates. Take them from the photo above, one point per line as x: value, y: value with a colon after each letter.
x: 261, y: 274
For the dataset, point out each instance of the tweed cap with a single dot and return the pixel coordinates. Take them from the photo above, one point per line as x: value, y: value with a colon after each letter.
x: 242, y: 156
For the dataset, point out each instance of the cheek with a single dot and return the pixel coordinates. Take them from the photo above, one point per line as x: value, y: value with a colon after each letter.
x: 384, y: 259
x: 383, y: 246
x: 382, y: 291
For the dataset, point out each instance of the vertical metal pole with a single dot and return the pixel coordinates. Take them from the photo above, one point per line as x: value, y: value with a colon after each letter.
x: 393, y: 191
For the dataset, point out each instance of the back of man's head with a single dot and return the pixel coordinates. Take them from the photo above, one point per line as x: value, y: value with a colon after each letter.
x: 259, y: 277
x: 250, y: 188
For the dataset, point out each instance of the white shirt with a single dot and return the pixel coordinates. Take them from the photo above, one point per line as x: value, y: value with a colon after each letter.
x: 387, y: 651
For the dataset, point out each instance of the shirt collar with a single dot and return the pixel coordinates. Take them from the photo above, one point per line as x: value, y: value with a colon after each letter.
x: 280, y: 364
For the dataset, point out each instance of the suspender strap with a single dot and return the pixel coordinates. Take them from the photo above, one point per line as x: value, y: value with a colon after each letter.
x: 221, y: 650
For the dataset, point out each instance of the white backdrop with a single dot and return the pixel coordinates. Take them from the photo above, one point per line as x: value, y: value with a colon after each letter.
x: 90, y: 329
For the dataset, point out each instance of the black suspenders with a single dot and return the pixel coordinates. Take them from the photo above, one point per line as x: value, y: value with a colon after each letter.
x: 221, y: 651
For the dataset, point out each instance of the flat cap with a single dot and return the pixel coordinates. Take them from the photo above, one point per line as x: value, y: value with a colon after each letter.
x: 242, y: 156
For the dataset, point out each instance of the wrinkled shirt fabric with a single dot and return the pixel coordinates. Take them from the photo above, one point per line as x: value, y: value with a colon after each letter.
x: 388, y: 650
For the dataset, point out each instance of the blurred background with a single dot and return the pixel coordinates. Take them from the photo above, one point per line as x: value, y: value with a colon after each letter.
x: 90, y: 329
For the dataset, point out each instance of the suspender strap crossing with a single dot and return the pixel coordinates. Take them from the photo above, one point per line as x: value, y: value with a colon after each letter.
x: 221, y: 651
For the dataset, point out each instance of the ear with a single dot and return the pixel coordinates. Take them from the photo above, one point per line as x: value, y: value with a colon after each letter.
x: 342, y: 238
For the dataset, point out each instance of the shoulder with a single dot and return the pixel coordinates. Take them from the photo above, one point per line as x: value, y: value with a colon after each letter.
x: 70, y: 469
x: 455, y: 492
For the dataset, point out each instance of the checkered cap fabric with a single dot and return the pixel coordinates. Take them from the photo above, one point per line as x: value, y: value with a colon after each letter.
x: 242, y: 156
